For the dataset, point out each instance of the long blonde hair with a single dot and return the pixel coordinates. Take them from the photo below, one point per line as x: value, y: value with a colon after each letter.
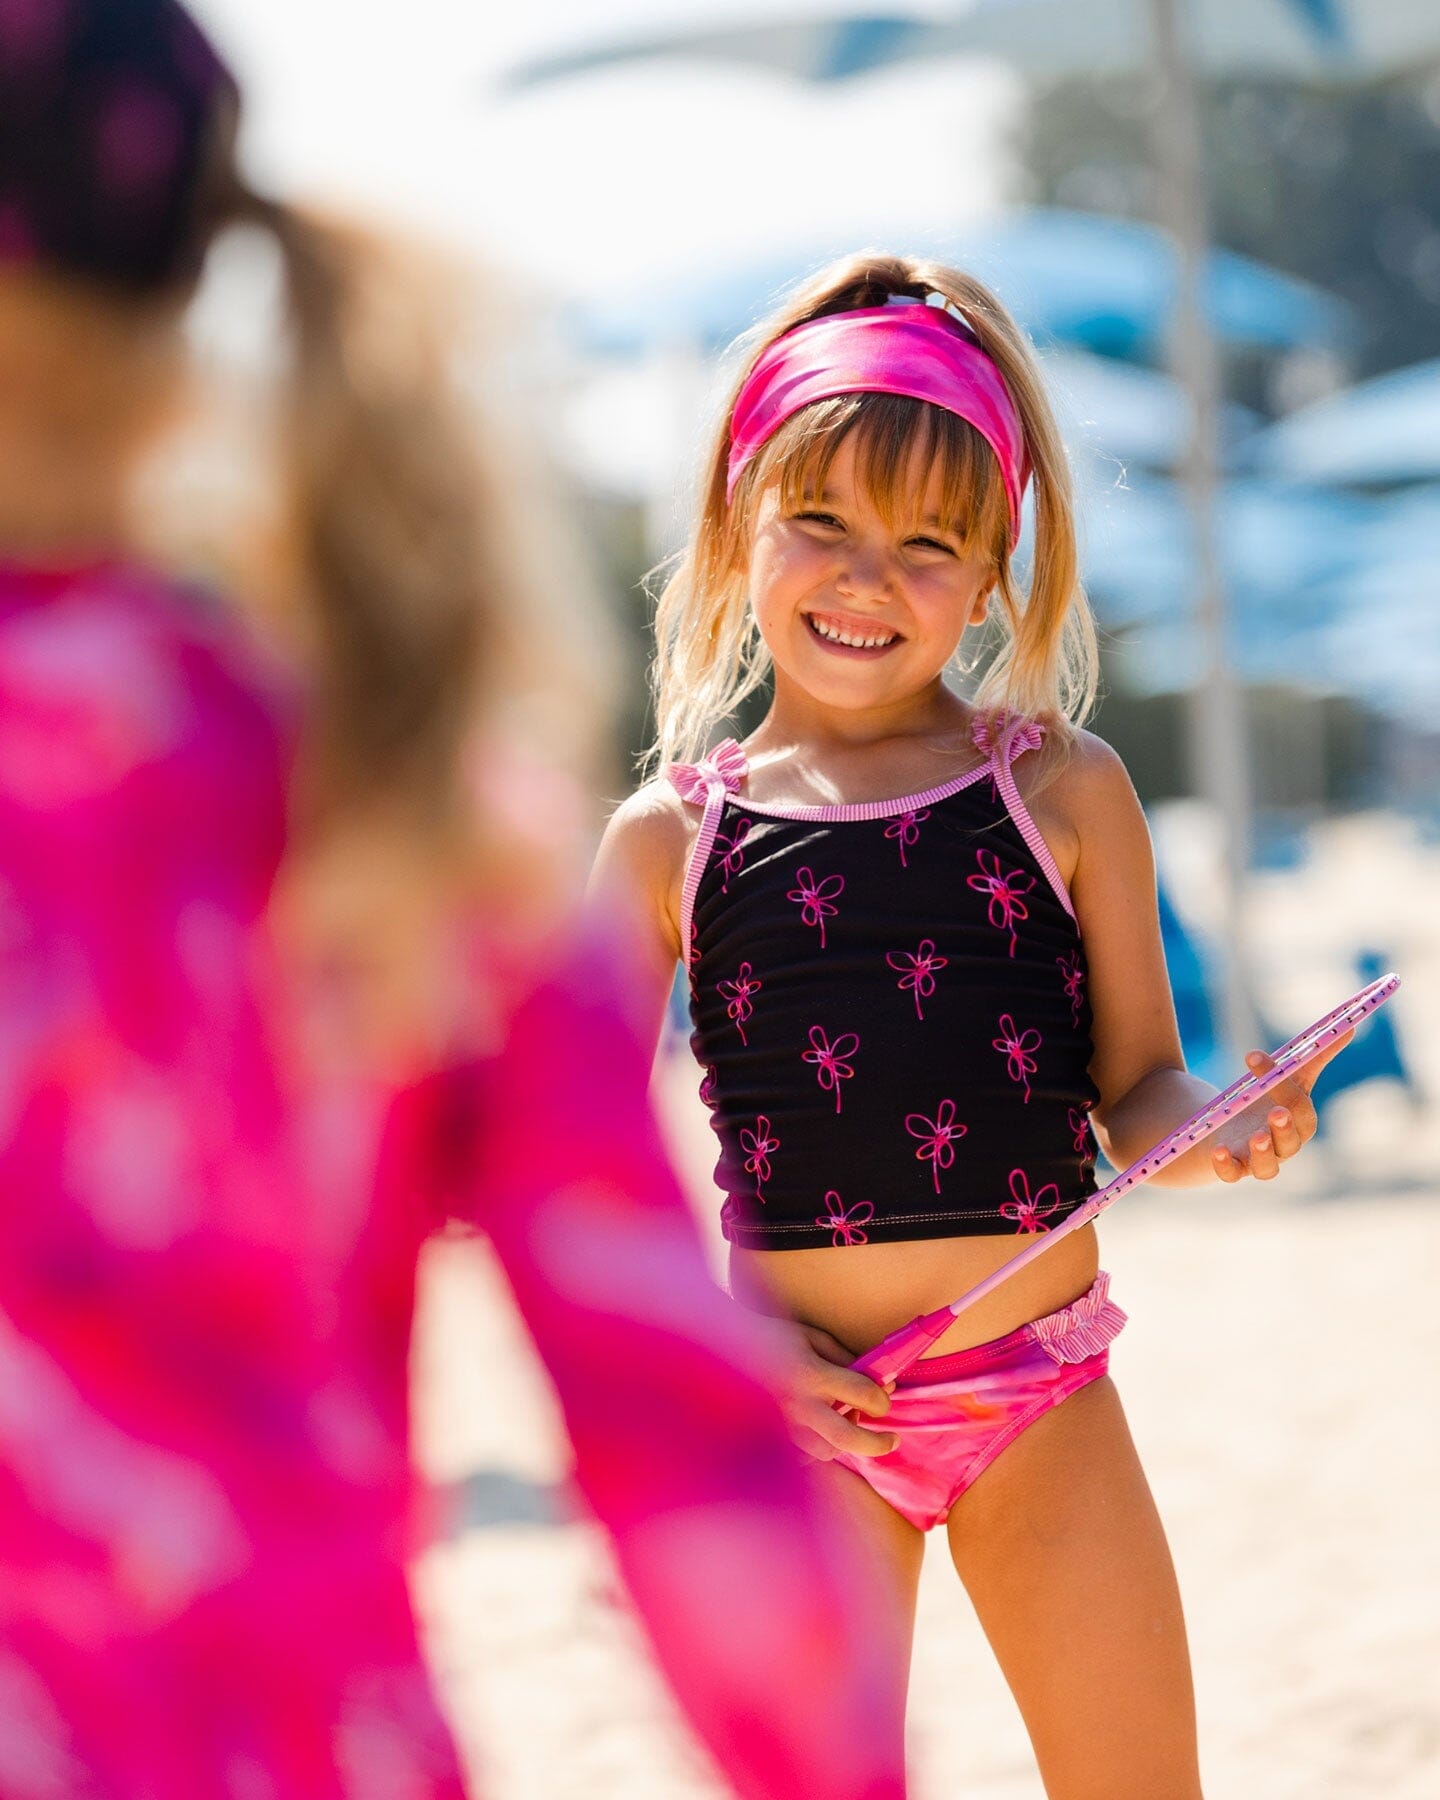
x: 709, y: 654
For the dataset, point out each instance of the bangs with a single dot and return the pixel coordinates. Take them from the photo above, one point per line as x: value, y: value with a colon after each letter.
x: 899, y: 443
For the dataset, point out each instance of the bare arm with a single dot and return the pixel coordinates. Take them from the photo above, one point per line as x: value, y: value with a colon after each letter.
x: 638, y: 877
x: 1139, y: 1066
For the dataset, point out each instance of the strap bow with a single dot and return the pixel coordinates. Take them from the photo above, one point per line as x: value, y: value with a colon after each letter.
x: 1004, y: 729
x: 724, y: 767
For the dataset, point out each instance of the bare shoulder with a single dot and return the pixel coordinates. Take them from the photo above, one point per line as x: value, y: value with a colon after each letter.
x: 653, y: 826
x: 644, y: 851
x: 1089, y: 777
x: 1077, y: 791
x: 1091, y: 791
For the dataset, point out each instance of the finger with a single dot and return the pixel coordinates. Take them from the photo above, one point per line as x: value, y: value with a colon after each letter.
x: 844, y: 1434
x: 1285, y: 1132
x: 1308, y: 1071
x: 810, y: 1443
x: 852, y: 1390
x: 830, y: 1348
x: 1263, y: 1163
x: 1225, y: 1165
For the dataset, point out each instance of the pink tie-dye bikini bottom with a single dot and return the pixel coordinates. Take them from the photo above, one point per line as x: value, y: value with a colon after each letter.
x: 955, y: 1414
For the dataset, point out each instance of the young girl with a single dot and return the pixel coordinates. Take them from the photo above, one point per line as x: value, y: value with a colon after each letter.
x: 926, y: 976
x: 290, y: 976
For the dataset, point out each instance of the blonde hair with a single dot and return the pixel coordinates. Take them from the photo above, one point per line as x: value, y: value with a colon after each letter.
x: 710, y: 656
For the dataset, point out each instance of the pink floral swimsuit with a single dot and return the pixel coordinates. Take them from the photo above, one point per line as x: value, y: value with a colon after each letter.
x: 892, y: 998
x: 889, y: 1002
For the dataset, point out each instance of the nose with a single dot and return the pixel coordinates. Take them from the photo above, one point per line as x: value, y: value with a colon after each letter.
x: 865, y: 573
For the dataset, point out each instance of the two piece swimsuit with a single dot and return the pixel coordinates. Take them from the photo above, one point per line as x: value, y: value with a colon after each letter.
x: 889, y: 1005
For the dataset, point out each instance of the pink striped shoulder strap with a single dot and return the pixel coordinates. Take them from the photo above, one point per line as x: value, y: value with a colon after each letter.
x: 1002, y: 739
x: 706, y: 784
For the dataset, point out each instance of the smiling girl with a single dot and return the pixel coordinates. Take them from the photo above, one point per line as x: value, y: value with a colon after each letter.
x: 926, y: 975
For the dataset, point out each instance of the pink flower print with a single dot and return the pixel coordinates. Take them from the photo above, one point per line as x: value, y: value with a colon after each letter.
x: 1074, y: 977
x: 1079, y: 1117
x: 740, y: 1006
x: 938, y: 1138
x: 707, y: 1088
x: 1017, y: 1047
x: 1006, y: 905
x: 844, y: 1222
x: 831, y: 1066
x: 1028, y: 1212
x: 817, y: 898
x: 761, y: 1146
x: 919, y: 970
x: 906, y: 831
x: 732, y: 844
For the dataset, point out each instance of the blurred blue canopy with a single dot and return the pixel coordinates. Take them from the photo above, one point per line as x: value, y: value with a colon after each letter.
x: 1076, y: 277
x: 832, y: 40
x: 1376, y: 434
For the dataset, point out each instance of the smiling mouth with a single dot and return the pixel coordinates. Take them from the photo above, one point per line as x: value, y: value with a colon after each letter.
x: 850, y: 637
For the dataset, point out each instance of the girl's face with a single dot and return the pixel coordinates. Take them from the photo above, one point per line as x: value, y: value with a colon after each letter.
x: 855, y: 613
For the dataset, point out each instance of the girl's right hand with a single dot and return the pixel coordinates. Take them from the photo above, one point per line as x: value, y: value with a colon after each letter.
x: 818, y: 1380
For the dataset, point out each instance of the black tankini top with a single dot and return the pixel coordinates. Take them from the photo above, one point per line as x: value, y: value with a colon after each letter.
x: 889, y: 1004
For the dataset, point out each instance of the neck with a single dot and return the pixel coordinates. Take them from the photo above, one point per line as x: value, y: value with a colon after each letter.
x: 56, y: 504
x: 796, y: 717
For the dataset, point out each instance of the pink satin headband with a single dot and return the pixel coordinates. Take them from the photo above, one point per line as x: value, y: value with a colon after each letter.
x: 913, y: 349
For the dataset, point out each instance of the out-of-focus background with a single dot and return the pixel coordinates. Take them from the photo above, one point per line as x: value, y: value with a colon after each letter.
x: 1221, y: 222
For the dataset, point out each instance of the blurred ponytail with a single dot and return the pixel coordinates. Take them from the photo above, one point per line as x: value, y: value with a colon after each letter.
x: 453, y: 725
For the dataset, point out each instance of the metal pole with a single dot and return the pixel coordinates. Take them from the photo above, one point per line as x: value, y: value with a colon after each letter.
x: 1217, y: 736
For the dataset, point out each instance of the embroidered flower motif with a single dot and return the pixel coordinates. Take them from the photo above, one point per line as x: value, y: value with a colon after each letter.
x: 740, y: 1006
x: 708, y: 1093
x: 919, y: 970
x: 830, y: 1059
x: 1079, y: 1117
x: 1005, y: 891
x: 1074, y: 978
x: 733, y: 857
x: 906, y: 831
x: 1028, y: 1212
x: 844, y: 1222
x: 938, y: 1138
x: 761, y: 1146
x: 817, y: 898
x: 1017, y: 1048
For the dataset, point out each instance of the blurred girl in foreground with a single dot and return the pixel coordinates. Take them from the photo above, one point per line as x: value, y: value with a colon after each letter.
x: 290, y: 975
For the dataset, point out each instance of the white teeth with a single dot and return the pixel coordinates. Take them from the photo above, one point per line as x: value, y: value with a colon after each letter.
x: 837, y: 636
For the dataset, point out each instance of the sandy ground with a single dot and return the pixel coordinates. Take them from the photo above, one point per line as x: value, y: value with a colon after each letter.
x: 1301, y: 1507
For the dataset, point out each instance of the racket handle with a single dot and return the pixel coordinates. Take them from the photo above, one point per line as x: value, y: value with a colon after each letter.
x: 894, y: 1354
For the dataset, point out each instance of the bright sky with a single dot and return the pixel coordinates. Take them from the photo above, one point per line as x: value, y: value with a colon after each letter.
x: 599, y: 183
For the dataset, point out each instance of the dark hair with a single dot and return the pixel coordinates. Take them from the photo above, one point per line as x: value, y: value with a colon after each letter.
x: 114, y: 116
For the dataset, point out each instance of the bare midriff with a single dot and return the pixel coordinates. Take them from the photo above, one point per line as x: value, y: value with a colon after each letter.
x: 860, y: 1293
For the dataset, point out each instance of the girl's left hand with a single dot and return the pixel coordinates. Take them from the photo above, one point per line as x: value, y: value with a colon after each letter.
x: 1257, y: 1140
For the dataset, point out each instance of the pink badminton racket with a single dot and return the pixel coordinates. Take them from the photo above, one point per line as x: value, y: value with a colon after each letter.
x: 903, y: 1347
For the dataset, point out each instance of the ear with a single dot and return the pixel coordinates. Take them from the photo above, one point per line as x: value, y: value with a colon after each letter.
x: 980, y: 607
